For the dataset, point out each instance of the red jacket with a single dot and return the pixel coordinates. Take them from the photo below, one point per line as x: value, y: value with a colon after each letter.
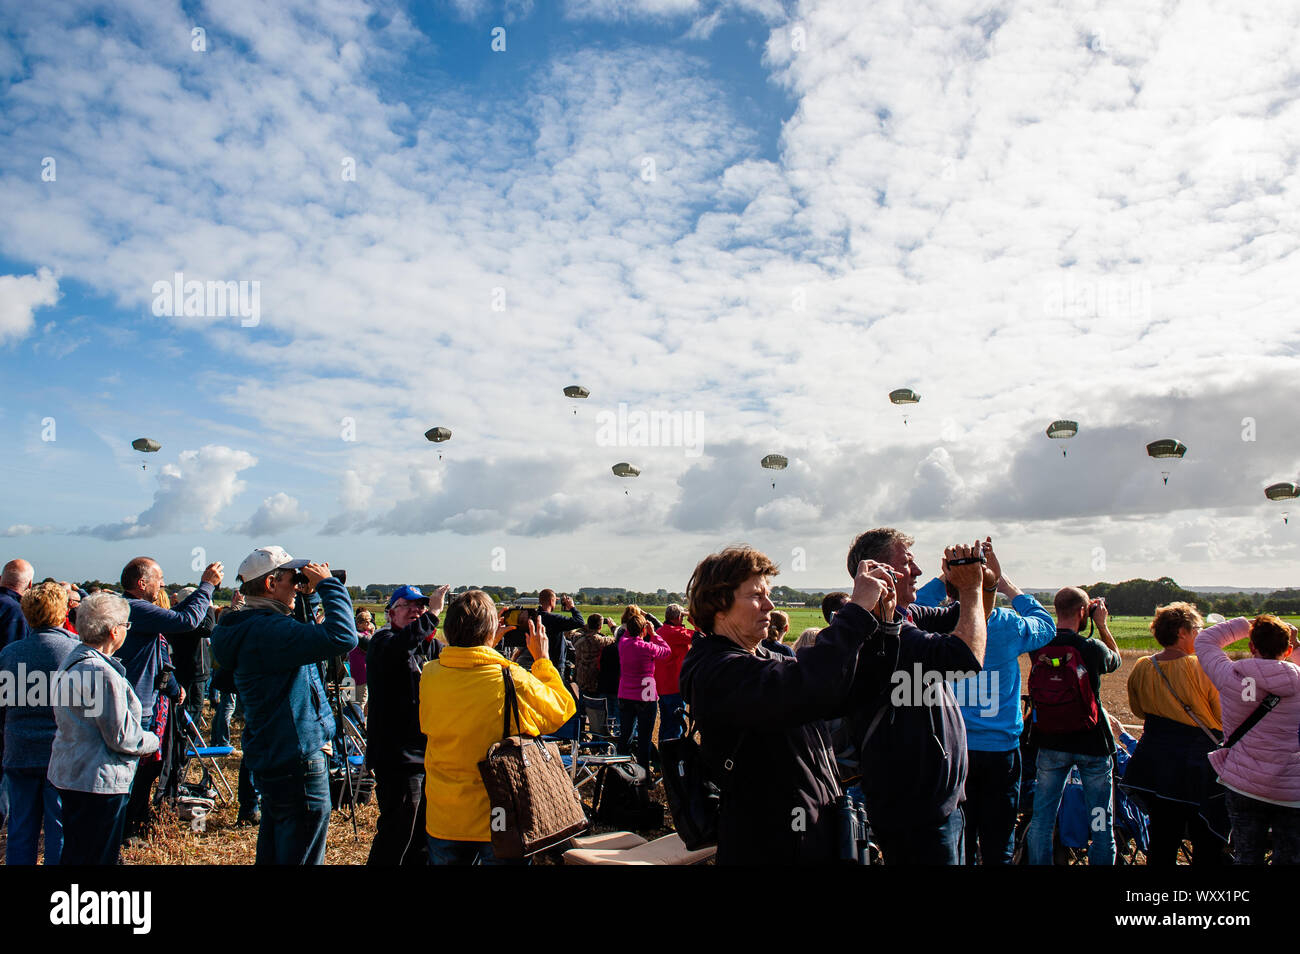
x: 669, y: 669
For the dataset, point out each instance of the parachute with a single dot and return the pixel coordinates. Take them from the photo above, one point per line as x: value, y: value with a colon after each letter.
x: 146, y: 445
x: 437, y: 435
x: 1282, y: 491
x: 904, y: 396
x: 1166, y: 449
x: 1062, y: 430
x: 624, y: 469
x: 576, y: 391
x: 775, y: 462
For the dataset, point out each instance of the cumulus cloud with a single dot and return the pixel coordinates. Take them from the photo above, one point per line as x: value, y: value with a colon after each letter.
x: 190, y: 495
x: 20, y: 296
x: 24, y: 530
x: 1006, y: 209
x: 278, y: 513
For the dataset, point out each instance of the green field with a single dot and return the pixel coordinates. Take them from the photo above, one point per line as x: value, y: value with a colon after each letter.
x: 1130, y: 632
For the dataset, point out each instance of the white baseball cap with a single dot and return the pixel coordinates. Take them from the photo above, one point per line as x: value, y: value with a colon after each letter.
x: 265, y: 559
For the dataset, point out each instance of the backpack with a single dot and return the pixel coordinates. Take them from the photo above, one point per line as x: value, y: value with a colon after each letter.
x: 1061, y: 691
x: 622, y: 798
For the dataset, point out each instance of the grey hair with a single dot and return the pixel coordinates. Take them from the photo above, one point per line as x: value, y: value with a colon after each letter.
x: 98, y: 614
x: 674, y: 611
x: 185, y: 592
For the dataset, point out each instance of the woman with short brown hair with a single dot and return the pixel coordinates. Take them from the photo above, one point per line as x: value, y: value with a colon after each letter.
x: 462, y: 708
x: 760, y: 715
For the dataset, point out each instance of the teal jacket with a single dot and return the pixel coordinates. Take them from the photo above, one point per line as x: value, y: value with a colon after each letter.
x: 274, y: 659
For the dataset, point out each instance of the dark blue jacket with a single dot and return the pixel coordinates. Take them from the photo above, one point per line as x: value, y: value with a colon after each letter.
x: 13, y: 624
x: 287, y: 716
x: 27, y: 731
x: 914, y: 764
x: 140, y: 653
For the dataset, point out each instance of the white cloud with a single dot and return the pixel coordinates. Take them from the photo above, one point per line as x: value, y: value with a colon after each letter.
x: 1025, y: 214
x: 20, y: 296
x: 278, y: 513
x: 190, y: 495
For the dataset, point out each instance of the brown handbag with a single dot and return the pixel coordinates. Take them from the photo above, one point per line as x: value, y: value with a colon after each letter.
x: 534, y: 803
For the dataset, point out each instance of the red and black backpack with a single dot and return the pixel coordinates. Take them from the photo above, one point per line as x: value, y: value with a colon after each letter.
x: 1061, y: 691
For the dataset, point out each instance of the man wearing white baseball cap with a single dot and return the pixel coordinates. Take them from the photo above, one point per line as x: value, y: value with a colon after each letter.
x: 288, y: 724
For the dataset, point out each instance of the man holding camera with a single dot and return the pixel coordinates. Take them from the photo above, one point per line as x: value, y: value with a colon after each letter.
x: 395, y: 742
x: 913, y: 738
x: 556, y: 626
x: 288, y: 724
x: 1071, y: 727
x: 146, y: 655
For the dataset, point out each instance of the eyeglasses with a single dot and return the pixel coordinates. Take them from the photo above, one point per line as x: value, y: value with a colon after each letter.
x: 126, y: 626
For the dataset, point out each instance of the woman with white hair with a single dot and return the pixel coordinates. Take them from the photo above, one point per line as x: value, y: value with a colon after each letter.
x: 99, y: 739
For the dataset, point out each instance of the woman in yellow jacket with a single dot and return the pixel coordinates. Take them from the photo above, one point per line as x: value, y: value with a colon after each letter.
x: 462, y: 703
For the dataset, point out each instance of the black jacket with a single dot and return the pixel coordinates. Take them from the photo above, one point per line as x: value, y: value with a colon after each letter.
x: 191, y: 655
x: 393, y: 664
x: 914, y: 764
x: 765, y: 712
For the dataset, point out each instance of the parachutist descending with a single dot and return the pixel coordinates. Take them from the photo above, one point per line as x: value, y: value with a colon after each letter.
x: 1062, y: 431
x: 904, y: 396
x: 146, y: 445
x: 775, y: 462
x: 1166, y: 449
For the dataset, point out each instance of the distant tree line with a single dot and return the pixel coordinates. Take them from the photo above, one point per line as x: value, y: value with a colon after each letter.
x: 1129, y: 598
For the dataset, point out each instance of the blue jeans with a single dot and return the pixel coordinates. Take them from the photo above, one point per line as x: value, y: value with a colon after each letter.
x: 641, y: 716
x: 907, y: 844
x: 992, y: 798
x: 295, y: 803
x: 1251, y: 821
x: 92, y: 827
x: 225, y: 708
x: 31, y: 800
x: 444, y: 852
x: 1098, y: 795
x: 672, y: 716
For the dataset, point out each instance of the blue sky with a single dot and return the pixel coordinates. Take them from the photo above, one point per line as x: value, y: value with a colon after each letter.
x: 753, y: 216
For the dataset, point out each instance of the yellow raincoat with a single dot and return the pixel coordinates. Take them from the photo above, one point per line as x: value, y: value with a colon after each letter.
x: 462, y: 695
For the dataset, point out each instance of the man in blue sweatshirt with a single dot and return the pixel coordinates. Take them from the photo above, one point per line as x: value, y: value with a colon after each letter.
x: 990, y: 706
x: 147, y: 658
x: 288, y: 725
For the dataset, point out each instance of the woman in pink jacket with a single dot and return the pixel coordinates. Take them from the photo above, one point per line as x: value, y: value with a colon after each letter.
x: 638, y: 649
x: 1262, y: 770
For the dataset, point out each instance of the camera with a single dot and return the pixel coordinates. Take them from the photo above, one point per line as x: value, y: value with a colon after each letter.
x: 519, y: 616
x: 300, y: 578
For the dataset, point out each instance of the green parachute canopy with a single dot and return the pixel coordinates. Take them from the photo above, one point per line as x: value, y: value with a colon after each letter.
x: 624, y: 469
x: 438, y: 434
x: 146, y: 444
x: 1166, y: 448
x: 1283, y: 491
x: 904, y: 396
x: 1062, y: 430
x: 775, y: 462
x: 576, y: 391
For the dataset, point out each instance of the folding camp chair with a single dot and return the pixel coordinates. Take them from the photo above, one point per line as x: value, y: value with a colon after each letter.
x: 196, y: 748
x: 584, y: 757
x: 601, y: 714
